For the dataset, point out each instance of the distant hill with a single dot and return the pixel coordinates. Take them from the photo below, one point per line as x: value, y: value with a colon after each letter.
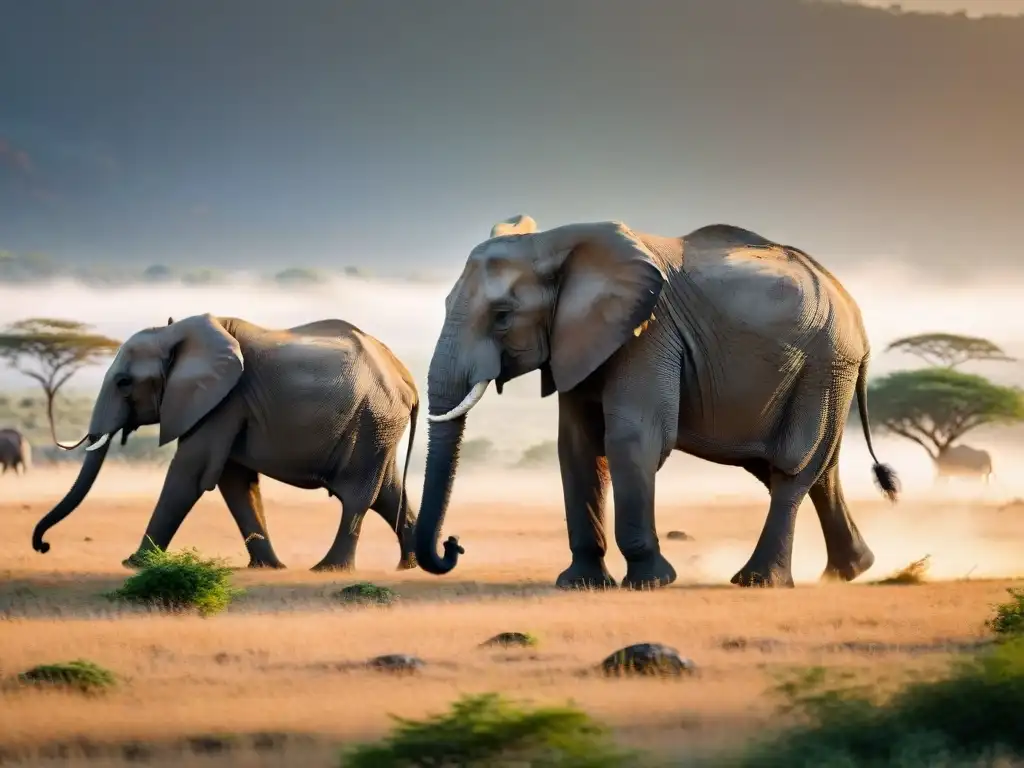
x: 35, y: 269
x: 847, y: 130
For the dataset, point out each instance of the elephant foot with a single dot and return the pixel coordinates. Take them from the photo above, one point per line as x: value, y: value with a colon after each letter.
x: 849, y: 567
x: 651, y: 572
x: 264, y: 563
x: 407, y: 563
x: 342, y: 566
x: 768, y: 575
x: 588, y: 573
x: 133, y: 562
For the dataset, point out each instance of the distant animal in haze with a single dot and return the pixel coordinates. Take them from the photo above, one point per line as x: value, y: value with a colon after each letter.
x: 963, y: 461
x: 321, y: 405
x: 721, y: 343
x: 15, y: 451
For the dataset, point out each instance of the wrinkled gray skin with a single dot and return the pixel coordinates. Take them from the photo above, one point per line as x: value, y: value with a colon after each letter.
x: 15, y: 451
x: 720, y: 344
x: 322, y: 405
x: 963, y: 461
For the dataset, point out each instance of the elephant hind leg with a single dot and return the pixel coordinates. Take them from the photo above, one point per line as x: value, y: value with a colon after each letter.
x: 771, y: 564
x: 356, y: 494
x: 240, y: 488
x: 848, y: 554
x: 387, y: 503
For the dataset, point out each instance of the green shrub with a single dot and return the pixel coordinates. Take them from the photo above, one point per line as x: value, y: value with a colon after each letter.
x: 972, y: 715
x: 1009, y: 619
x: 365, y: 593
x: 80, y: 674
x: 487, y: 730
x: 178, y: 581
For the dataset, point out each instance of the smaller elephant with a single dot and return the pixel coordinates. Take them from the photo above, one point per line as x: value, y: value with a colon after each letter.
x: 963, y: 461
x: 321, y: 405
x: 15, y: 451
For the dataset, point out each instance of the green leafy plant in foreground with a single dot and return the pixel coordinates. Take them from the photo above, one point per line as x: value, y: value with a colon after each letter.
x: 487, y: 730
x: 971, y: 716
x: 178, y: 581
x: 1009, y: 619
x: 80, y: 674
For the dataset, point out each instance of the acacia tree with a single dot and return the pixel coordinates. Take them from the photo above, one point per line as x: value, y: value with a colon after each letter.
x: 934, y: 407
x: 51, y: 351
x: 948, y: 349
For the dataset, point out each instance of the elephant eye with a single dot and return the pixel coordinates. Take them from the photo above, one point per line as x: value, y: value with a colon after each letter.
x: 502, y: 318
x: 123, y: 382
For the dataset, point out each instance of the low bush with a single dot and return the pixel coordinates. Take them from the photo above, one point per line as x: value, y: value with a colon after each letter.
x: 487, y: 730
x: 1009, y: 619
x: 80, y: 674
x: 179, y: 581
x: 970, y: 717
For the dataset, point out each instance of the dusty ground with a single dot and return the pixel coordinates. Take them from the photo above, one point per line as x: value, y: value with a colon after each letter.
x: 264, y: 683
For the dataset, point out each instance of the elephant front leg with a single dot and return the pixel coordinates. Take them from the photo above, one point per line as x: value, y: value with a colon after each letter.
x: 634, y: 455
x: 584, y: 471
x: 240, y: 488
x: 180, y: 492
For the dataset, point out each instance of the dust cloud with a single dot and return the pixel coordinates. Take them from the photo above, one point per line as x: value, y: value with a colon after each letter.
x: 408, y: 315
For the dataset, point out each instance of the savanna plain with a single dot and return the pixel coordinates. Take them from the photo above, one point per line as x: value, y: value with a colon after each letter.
x: 274, y: 680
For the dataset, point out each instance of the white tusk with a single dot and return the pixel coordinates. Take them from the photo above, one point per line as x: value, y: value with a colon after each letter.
x: 474, y: 397
x: 99, y: 443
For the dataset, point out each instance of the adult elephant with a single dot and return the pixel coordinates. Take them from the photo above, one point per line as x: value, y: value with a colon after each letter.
x: 963, y: 461
x: 721, y: 344
x: 322, y: 405
x: 15, y: 451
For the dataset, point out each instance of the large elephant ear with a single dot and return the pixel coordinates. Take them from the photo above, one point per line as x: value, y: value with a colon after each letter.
x: 608, y: 285
x: 520, y: 224
x: 206, y: 365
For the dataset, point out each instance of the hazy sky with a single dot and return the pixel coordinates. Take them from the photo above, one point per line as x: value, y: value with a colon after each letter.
x: 391, y: 134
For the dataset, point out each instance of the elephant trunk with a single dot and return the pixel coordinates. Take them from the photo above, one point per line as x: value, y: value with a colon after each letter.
x: 447, y: 386
x: 81, y: 487
x: 443, y: 444
x: 110, y: 414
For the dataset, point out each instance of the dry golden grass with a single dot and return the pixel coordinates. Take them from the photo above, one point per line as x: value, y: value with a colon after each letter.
x: 271, y: 671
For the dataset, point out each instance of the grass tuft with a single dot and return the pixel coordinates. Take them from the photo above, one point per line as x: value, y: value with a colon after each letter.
x: 365, y: 593
x: 1008, y: 622
x: 488, y: 730
x: 914, y: 573
x: 511, y: 639
x: 81, y: 675
x: 179, y: 581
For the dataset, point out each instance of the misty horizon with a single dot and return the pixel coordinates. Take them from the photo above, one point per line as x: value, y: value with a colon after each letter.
x: 407, y: 317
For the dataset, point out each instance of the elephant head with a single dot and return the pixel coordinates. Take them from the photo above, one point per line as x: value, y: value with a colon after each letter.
x: 560, y: 301
x: 172, y: 376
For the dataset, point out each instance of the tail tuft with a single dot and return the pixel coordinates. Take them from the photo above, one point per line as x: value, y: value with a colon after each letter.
x: 887, y: 481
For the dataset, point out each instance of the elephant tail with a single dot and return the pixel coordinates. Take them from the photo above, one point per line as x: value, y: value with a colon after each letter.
x: 403, y: 500
x: 885, y: 476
